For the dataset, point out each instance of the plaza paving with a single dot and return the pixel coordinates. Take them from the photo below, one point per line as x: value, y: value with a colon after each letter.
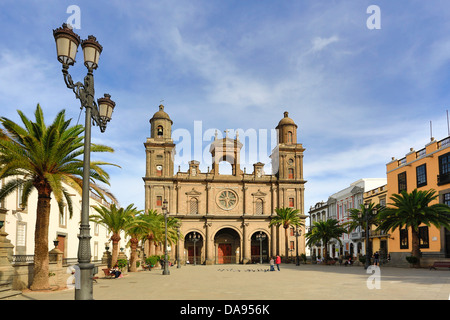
x: 255, y: 282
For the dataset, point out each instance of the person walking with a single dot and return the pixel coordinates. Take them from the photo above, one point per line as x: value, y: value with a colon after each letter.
x: 272, y: 264
x: 376, y: 259
x: 277, y: 262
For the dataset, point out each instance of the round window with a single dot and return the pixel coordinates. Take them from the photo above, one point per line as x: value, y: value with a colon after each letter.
x: 227, y: 199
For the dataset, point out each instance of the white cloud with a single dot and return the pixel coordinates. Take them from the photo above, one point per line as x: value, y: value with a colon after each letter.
x: 321, y: 43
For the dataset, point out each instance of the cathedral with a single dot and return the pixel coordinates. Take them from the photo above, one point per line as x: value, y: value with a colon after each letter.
x: 225, y: 217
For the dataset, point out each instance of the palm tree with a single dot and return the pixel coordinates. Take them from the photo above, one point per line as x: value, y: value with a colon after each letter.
x: 156, y: 231
x: 362, y: 217
x: 137, y: 230
x: 410, y: 210
x: 324, y: 231
x: 286, y: 217
x: 358, y: 217
x: 45, y: 158
x: 115, y: 220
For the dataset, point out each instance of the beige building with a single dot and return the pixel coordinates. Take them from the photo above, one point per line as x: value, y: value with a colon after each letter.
x: 227, y: 213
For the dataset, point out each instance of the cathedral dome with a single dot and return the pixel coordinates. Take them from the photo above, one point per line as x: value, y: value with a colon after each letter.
x: 286, y: 120
x: 161, y: 114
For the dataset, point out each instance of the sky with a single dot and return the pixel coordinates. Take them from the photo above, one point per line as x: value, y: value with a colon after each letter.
x: 363, y: 85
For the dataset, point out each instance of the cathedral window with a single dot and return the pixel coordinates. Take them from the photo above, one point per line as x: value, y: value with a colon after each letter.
x: 193, y: 206
x: 227, y: 199
x: 291, y: 202
x: 290, y: 173
x: 259, y: 206
x: 289, y: 137
x: 158, y: 201
x: 160, y: 131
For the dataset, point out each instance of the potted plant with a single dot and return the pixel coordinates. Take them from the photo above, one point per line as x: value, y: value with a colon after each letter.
x: 152, y: 261
x: 122, y: 264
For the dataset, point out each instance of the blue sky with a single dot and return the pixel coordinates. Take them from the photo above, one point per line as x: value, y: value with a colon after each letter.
x: 359, y: 96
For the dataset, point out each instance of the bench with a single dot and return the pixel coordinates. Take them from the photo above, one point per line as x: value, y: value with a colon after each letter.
x: 440, y: 264
x: 108, y: 273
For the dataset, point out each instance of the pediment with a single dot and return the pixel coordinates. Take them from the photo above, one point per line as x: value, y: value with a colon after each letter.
x: 193, y: 192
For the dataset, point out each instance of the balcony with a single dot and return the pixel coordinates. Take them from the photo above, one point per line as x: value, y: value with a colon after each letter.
x: 443, y: 179
x: 357, y: 235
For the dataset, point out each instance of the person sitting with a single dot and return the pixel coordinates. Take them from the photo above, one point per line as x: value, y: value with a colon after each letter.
x: 115, y: 271
x: 348, y: 261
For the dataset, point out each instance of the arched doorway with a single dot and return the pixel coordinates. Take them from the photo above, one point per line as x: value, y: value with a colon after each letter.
x: 260, y: 247
x: 193, y: 243
x: 227, y: 244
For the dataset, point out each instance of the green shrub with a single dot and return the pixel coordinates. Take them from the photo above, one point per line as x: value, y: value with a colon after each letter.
x: 122, y: 263
x: 152, y: 260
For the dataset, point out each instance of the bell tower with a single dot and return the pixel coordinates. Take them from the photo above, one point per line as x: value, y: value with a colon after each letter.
x: 287, y: 157
x: 160, y: 149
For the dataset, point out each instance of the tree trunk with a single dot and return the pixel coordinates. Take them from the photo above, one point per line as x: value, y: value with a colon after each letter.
x: 41, y: 258
x: 133, y: 257
x: 325, y: 252
x: 115, y: 249
x: 415, y: 246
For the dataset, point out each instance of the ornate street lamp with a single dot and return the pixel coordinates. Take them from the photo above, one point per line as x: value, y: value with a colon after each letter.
x: 166, y: 263
x: 194, y: 237
x: 178, y: 246
x: 297, y: 233
x: 67, y: 43
x: 366, y: 215
x: 260, y: 237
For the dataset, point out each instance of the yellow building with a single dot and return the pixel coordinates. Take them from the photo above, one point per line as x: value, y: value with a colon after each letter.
x: 428, y: 168
x: 378, y: 239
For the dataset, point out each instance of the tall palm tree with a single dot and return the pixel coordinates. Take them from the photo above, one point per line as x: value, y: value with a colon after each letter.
x: 286, y: 217
x: 358, y: 217
x: 411, y: 210
x: 137, y: 230
x: 156, y: 231
x: 324, y: 231
x: 115, y: 220
x: 46, y: 159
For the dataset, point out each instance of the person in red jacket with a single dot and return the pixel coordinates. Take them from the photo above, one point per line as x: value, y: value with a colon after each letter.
x: 277, y: 262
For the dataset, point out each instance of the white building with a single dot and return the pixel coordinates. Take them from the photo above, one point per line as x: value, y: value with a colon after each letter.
x: 339, y: 204
x: 318, y: 212
x: 20, y: 226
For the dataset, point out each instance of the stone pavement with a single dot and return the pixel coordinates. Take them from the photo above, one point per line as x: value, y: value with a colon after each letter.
x: 255, y: 282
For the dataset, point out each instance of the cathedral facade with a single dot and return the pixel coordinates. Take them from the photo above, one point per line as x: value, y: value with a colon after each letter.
x: 225, y: 217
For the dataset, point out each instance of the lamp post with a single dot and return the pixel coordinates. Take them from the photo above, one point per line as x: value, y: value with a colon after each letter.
x: 366, y: 216
x: 260, y: 237
x: 166, y: 271
x: 194, y: 237
x: 178, y: 247
x: 67, y: 43
x: 298, y: 233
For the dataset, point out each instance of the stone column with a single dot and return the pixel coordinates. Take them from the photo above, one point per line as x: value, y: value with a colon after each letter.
x: 6, y: 269
x: 209, y: 254
x: 246, y: 254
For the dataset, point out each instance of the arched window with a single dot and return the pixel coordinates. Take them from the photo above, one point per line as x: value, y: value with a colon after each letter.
x: 259, y: 208
x: 289, y: 137
x: 160, y: 131
x: 291, y: 173
x: 193, y: 206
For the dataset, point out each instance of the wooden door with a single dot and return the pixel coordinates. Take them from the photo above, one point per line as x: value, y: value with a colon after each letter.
x: 62, y: 244
x: 224, y: 253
